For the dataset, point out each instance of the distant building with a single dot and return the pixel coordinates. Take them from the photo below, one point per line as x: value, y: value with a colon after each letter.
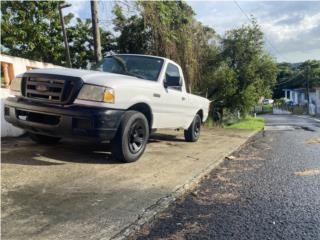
x: 298, y: 97
x: 314, y: 98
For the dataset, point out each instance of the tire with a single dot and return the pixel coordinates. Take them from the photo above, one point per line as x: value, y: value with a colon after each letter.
x: 193, y: 132
x: 43, y: 139
x: 131, y: 138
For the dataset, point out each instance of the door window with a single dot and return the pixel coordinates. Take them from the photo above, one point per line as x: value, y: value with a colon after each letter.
x: 173, y: 77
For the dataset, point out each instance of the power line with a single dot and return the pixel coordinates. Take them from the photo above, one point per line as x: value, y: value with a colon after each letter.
x: 293, y: 78
x: 267, y: 40
x: 244, y: 13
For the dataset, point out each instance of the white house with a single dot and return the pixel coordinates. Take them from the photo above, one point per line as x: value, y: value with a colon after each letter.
x: 297, y: 96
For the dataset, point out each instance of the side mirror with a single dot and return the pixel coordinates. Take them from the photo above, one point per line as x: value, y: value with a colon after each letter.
x: 172, y: 81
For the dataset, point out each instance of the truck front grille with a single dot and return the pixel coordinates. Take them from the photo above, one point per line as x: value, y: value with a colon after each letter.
x: 47, y: 89
x: 51, y: 88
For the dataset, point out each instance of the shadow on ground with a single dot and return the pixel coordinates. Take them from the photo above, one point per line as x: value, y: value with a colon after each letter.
x: 67, y: 151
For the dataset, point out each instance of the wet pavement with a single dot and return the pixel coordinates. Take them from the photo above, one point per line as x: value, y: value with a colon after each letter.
x: 269, y: 189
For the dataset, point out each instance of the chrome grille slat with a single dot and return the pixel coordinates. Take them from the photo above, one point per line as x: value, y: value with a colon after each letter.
x: 53, y: 92
x: 33, y: 79
x: 47, y: 93
x: 44, y: 83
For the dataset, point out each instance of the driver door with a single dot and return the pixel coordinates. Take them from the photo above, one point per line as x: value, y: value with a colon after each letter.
x: 173, y: 98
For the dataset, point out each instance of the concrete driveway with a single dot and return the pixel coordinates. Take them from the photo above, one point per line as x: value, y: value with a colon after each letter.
x: 74, y: 190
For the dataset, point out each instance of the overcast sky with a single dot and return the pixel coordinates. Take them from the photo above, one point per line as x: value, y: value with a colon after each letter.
x: 292, y: 28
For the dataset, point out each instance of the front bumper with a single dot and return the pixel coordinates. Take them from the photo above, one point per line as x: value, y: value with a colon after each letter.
x: 73, y: 121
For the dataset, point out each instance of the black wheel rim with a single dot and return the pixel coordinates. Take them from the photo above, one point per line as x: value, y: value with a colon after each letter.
x: 197, y: 127
x: 137, y: 135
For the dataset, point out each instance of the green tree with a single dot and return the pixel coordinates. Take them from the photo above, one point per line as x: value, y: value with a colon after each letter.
x: 220, y: 84
x: 285, y: 73
x: 255, y: 70
x: 134, y: 37
x: 314, y: 72
x: 81, y: 46
x: 81, y: 43
x: 31, y: 29
x: 171, y: 28
x: 167, y: 29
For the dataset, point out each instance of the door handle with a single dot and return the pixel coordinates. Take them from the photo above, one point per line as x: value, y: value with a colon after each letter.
x: 183, y: 98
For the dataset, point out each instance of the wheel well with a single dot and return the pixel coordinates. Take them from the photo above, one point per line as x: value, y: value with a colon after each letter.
x: 145, y: 110
x: 200, y: 113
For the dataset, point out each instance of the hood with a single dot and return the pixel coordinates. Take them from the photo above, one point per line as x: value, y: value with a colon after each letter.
x: 93, y: 77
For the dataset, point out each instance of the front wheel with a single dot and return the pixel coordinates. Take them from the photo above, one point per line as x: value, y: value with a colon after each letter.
x: 131, y: 138
x: 193, y: 132
x: 43, y: 139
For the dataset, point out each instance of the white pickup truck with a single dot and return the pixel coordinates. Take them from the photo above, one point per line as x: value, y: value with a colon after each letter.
x: 121, y: 100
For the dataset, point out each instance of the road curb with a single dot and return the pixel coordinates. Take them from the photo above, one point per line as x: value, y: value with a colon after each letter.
x: 163, y: 203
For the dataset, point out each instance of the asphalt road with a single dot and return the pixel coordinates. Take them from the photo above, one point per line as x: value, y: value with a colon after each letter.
x: 269, y: 189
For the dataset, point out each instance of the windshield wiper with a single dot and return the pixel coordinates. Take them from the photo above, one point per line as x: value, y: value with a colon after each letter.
x: 120, y: 60
x: 123, y: 64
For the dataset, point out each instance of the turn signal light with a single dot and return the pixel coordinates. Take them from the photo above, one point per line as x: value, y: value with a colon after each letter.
x: 108, y: 96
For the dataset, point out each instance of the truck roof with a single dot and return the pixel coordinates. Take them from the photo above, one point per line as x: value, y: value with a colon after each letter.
x: 145, y: 55
x: 142, y: 55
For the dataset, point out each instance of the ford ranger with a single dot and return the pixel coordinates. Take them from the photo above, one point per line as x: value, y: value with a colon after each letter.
x: 121, y: 100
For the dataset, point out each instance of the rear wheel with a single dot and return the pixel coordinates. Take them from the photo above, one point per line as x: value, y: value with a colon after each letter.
x: 43, y: 139
x: 131, y: 138
x: 193, y: 132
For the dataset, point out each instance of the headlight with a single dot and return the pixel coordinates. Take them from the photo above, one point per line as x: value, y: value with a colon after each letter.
x: 15, y: 86
x: 96, y: 93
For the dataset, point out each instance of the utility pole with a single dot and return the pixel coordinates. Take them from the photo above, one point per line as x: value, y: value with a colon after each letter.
x: 65, y: 33
x: 306, y: 76
x: 96, y: 30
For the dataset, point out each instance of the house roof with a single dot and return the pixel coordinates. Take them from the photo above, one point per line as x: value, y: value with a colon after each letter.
x: 295, y: 90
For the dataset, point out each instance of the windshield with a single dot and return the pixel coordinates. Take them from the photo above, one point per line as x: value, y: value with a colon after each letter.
x: 139, y: 66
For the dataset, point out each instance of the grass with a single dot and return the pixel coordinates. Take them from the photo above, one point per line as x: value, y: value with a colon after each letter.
x: 265, y: 108
x: 248, y: 123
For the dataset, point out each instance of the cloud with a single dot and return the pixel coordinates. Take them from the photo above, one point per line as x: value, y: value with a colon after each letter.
x: 293, y: 28
x: 82, y: 9
x: 289, y: 19
x: 79, y: 8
